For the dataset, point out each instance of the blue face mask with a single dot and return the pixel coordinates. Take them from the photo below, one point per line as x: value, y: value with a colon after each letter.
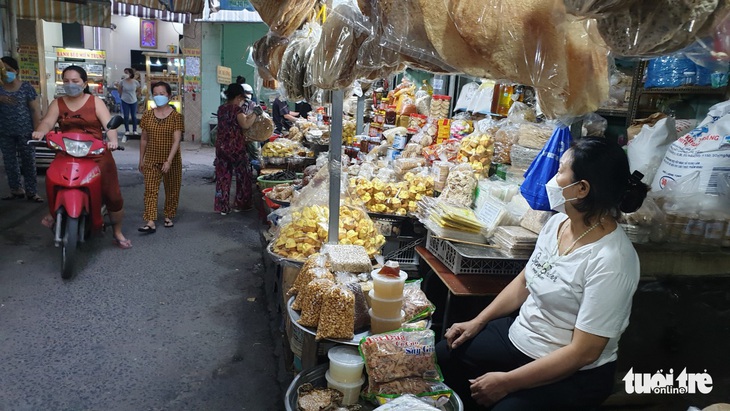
x: 9, y: 76
x: 73, y: 89
x: 160, y: 100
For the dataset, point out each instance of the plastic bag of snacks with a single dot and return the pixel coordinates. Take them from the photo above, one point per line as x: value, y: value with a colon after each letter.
x: 337, y: 314
x: 415, y: 303
x: 311, y: 301
x: 429, y: 392
x: 400, y: 354
x: 307, y: 272
x: 304, y: 225
x: 407, y: 402
x: 460, y: 186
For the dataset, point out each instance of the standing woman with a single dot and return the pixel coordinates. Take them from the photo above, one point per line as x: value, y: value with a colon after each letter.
x: 129, y: 89
x: 80, y: 112
x: 236, y: 115
x: 20, y: 113
x: 159, y: 156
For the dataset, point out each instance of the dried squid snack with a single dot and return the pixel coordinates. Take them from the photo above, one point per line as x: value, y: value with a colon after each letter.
x: 400, y: 354
x: 337, y: 315
x: 268, y: 53
x: 312, y: 301
x: 284, y: 17
x: 409, y: 385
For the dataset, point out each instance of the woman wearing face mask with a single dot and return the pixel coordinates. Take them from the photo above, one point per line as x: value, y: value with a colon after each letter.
x: 80, y: 112
x: 573, y: 298
x: 236, y: 115
x: 159, y: 156
x: 129, y: 90
x: 19, y: 115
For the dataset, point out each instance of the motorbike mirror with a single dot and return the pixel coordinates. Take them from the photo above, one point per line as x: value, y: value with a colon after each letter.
x: 115, y: 122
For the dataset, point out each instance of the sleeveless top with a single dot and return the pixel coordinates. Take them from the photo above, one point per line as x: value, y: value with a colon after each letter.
x: 83, y: 120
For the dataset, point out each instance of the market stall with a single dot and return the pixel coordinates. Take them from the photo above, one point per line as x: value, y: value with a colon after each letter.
x: 455, y: 183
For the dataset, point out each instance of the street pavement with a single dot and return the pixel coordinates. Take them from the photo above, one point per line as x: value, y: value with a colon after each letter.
x: 182, y: 321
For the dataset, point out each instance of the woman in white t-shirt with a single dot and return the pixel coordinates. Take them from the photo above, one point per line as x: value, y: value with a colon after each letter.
x: 129, y: 90
x: 574, y: 298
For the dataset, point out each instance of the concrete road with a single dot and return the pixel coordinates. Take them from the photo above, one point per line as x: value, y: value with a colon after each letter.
x: 179, y: 322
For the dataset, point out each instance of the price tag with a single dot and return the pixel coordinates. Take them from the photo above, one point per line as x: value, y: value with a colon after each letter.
x: 438, y: 83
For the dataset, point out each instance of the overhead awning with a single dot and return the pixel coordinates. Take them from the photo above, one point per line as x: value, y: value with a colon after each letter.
x: 92, y: 13
x: 125, y: 9
x: 175, y: 6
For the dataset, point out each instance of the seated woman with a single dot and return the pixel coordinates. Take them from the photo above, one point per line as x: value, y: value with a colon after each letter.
x: 80, y: 112
x: 574, y: 298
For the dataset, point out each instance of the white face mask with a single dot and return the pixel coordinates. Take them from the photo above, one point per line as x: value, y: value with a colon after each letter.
x: 555, y: 194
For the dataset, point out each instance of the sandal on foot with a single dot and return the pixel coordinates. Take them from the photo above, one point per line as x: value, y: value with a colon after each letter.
x: 123, y: 244
x: 15, y: 194
x: 147, y: 229
x: 34, y: 197
x: 169, y: 223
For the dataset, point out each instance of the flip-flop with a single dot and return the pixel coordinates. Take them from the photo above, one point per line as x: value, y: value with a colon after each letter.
x: 169, y: 223
x: 14, y: 195
x: 34, y: 197
x: 147, y: 229
x: 123, y: 244
x: 48, y: 221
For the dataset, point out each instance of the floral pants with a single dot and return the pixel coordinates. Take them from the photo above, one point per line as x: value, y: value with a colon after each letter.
x: 11, y: 146
x: 226, y: 168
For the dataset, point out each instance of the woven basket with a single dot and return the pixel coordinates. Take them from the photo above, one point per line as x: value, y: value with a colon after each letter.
x: 261, y: 129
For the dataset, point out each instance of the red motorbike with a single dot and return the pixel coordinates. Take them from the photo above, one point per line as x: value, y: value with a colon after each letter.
x: 73, y: 189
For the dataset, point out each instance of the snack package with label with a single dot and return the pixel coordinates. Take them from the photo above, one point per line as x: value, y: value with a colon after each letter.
x: 407, y: 402
x: 400, y: 354
x: 429, y: 392
x: 460, y: 186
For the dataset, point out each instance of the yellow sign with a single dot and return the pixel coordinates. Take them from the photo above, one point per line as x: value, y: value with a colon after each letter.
x: 81, y: 54
x: 224, y: 75
x: 29, y: 67
x: 191, y: 52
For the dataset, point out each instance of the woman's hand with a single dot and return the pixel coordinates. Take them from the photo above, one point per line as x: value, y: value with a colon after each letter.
x: 141, y: 167
x: 489, y: 388
x: 37, y: 135
x: 112, y: 145
x: 460, y: 333
x: 165, y: 167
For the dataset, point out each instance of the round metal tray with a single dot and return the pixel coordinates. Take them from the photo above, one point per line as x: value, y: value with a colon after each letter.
x: 315, y: 376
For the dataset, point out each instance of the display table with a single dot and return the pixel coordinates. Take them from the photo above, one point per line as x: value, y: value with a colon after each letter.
x: 462, y: 285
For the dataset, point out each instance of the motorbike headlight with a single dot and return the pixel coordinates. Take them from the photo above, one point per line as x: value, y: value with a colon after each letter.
x: 97, y: 152
x: 77, y: 148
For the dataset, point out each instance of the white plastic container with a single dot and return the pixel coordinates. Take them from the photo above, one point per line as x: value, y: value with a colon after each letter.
x: 381, y: 325
x: 345, y: 364
x: 350, y: 390
x: 384, y: 308
x: 387, y: 287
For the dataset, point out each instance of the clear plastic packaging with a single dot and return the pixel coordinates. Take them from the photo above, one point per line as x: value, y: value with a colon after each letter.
x: 415, y: 303
x: 284, y: 17
x: 268, y: 53
x: 337, y: 316
x: 400, y: 354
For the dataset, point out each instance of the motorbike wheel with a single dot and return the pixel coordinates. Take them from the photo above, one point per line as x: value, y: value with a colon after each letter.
x: 68, y: 247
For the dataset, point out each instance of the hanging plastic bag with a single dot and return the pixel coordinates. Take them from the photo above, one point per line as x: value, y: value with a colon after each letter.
x: 544, y: 168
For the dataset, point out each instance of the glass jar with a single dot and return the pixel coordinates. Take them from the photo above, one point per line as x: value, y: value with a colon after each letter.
x: 390, y: 116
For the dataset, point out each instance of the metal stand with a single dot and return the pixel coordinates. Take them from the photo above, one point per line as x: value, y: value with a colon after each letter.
x: 335, y: 166
x: 359, y: 114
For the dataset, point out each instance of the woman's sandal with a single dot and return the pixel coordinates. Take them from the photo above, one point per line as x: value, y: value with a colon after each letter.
x: 15, y: 194
x: 169, y: 223
x: 123, y: 244
x: 34, y: 197
x: 147, y: 229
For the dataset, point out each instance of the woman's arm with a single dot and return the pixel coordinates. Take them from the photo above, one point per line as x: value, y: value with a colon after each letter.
x: 35, y: 112
x: 176, y: 137
x: 48, y: 121
x: 506, y: 302
x: 245, y: 121
x: 102, y: 113
x: 584, y: 349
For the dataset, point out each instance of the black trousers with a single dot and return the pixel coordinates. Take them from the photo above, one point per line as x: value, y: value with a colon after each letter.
x: 491, y: 350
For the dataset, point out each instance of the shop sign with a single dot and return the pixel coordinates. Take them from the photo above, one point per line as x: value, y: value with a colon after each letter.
x: 28, y: 65
x: 81, y: 54
x: 224, y: 75
x: 189, y: 52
